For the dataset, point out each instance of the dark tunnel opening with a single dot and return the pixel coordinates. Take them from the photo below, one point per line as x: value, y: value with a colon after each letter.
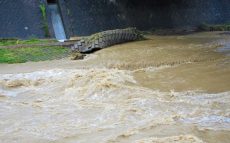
x: 174, y: 13
x: 51, y: 1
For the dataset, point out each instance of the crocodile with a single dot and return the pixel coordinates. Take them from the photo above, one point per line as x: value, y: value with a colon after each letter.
x: 106, y: 39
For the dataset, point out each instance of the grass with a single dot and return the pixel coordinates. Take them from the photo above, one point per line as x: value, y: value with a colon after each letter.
x: 11, y: 42
x: 22, y: 55
x: 218, y: 27
x: 45, y: 22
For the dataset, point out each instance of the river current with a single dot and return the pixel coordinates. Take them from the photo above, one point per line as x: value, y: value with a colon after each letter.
x: 161, y: 90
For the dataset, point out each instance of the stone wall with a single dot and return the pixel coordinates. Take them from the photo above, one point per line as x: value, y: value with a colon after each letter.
x: 20, y: 19
x: 90, y: 16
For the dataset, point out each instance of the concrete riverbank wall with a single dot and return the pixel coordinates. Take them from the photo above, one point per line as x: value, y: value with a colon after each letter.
x: 23, y: 18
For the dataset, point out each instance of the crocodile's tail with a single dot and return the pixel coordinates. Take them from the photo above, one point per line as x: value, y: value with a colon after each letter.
x: 106, y: 39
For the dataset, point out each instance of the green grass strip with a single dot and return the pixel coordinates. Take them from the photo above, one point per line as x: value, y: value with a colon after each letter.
x: 217, y: 27
x: 11, y: 42
x: 22, y: 55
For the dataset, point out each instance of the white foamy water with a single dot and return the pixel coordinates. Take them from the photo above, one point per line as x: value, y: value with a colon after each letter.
x: 100, y: 105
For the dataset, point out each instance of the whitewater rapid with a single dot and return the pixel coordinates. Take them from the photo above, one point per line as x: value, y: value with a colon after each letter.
x: 175, y: 92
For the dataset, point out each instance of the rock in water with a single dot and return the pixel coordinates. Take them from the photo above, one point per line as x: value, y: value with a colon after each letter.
x: 106, y: 38
x: 77, y: 56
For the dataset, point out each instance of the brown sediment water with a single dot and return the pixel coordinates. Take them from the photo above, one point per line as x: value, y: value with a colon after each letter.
x: 162, y: 90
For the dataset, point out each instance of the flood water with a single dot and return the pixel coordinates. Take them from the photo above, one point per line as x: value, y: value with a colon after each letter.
x: 162, y: 90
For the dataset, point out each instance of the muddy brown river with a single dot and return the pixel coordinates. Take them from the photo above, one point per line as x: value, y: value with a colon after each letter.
x: 162, y: 90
